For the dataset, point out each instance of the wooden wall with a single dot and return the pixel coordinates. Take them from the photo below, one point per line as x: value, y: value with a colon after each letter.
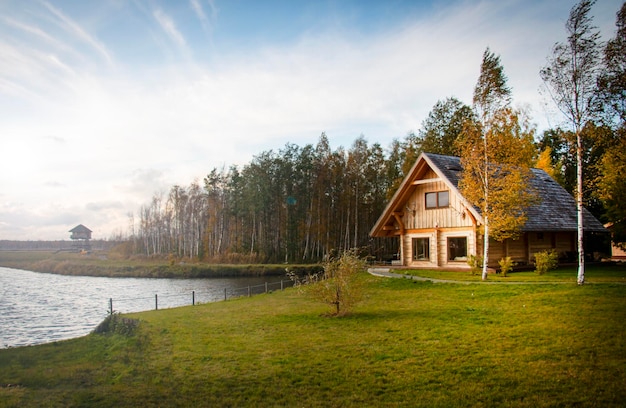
x: 456, y: 221
x: 523, y: 250
x: 417, y: 217
x: 438, y: 246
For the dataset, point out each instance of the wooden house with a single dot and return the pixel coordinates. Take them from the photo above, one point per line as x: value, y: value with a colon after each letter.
x: 617, y: 253
x: 438, y: 227
x: 80, y: 232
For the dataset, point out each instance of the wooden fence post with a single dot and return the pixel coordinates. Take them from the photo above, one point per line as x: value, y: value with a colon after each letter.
x: 110, y: 305
x: 193, y: 298
x: 156, y: 302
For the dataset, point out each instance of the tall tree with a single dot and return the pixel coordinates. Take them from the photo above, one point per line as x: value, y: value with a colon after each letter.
x: 612, y: 188
x: 442, y: 127
x: 562, y: 155
x: 612, y: 87
x: 393, y: 165
x: 612, y: 81
x: 571, y: 76
x: 491, y: 93
x: 496, y: 152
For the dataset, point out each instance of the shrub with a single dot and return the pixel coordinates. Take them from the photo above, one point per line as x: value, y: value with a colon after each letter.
x: 546, y: 261
x: 338, y: 285
x: 115, y: 323
x: 123, y: 250
x: 475, y: 263
x: 506, y: 265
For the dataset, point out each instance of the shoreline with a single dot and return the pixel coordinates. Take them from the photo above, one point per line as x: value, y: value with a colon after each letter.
x: 99, y: 265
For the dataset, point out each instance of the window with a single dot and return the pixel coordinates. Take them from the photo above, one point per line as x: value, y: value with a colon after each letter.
x: 457, y: 249
x: 439, y: 199
x: 421, y: 249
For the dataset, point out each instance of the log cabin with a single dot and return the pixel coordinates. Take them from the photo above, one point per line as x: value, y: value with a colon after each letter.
x: 80, y: 232
x: 438, y: 228
x: 80, y: 238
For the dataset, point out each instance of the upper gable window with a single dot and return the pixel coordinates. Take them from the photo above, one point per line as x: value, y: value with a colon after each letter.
x: 438, y: 199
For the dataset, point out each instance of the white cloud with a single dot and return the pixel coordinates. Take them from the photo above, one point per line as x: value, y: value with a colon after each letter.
x: 75, y: 29
x: 207, y: 22
x: 94, y: 145
x: 168, y: 25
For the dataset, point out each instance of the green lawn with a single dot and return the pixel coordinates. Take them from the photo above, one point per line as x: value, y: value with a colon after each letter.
x: 408, y: 344
x: 594, y: 273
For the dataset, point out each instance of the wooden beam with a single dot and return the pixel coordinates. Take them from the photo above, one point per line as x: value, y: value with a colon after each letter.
x: 398, y: 216
x: 425, y: 181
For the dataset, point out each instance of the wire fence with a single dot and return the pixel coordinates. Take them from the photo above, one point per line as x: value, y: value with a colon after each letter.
x: 166, y: 301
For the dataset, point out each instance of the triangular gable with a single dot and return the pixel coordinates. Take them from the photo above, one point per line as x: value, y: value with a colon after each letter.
x: 446, y: 169
x: 80, y: 228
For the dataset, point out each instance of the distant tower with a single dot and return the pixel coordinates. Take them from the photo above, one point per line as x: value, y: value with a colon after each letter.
x: 81, y: 236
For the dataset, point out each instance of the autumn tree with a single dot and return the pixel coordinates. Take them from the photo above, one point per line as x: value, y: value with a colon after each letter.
x: 496, y: 152
x: 612, y: 89
x: 562, y: 157
x: 571, y: 76
x: 544, y: 162
x: 612, y: 187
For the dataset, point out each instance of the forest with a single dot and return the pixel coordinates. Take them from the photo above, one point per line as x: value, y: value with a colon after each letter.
x: 302, y: 204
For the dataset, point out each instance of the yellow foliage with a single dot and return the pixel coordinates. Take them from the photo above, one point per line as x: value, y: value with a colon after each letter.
x: 496, y: 159
x: 544, y: 162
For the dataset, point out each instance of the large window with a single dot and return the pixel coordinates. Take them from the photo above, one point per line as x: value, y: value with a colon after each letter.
x: 457, y: 249
x: 437, y: 199
x: 421, y: 249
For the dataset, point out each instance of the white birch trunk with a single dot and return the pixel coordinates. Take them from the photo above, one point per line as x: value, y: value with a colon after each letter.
x: 485, y: 249
x: 579, y: 208
x: 486, y: 212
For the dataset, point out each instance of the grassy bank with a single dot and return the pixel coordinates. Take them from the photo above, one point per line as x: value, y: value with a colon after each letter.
x: 99, y: 264
x: 408, y: 344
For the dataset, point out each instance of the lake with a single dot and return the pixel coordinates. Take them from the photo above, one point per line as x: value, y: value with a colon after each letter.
x: 39, y: 308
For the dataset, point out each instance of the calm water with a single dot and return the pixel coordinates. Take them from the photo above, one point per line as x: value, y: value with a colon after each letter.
x: 39, y: 308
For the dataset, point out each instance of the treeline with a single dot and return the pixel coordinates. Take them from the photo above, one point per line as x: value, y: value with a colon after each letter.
x: 58, y: 245
x: 301, y: 204
x: 295, y: 205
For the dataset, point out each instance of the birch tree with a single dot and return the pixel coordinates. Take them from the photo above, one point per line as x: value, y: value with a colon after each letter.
x: 496, y: 152
x: 571, y: 76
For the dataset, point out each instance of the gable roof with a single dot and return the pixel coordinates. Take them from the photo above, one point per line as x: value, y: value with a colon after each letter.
x: 80, y: 228
x: 555, y: 209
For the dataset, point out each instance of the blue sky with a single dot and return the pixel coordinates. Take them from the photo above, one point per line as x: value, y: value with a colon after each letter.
x: 105, y: 102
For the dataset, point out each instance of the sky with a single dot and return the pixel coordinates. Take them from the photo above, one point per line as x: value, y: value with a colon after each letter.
x: 105, y: 103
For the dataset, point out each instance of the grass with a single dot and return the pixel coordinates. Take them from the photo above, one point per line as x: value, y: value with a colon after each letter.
x: 594, y: 273
x: 408, y: 344
x: 101, y: 264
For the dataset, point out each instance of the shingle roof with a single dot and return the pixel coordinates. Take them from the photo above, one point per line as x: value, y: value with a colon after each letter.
x: 555, y: 209
x: 80, y: 228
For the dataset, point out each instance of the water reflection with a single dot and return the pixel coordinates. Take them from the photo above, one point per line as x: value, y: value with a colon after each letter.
x: 38, y: 308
